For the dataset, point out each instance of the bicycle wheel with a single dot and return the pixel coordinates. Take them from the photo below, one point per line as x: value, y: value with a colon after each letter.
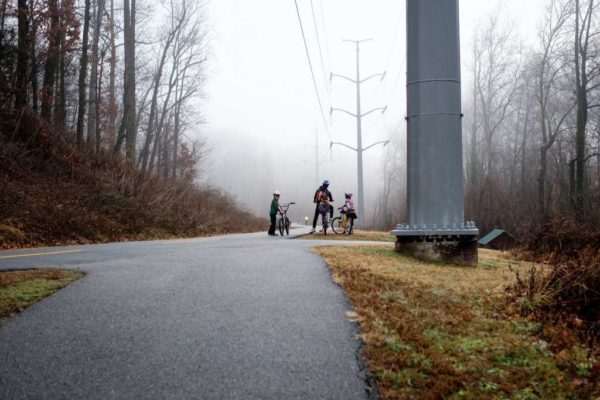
x: 337, y: 225
x: 287, y: 225
x: 281, y: 226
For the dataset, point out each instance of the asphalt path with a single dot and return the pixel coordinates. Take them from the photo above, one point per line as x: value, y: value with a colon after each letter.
x: 231, y: 317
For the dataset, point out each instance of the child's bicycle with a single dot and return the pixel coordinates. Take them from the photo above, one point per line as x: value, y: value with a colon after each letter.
x: 284, y: 221
x: 341, y: 224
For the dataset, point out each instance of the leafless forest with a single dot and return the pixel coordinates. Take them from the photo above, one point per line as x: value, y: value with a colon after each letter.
x: 531, y: 123
x: 97, y: 101
x: 120, y: 78
x: 125, y: 80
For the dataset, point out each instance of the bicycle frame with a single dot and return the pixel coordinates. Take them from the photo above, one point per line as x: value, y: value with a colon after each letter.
x: 284, y: 221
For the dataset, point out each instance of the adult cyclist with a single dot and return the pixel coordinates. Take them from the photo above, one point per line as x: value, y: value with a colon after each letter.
x: 322, y: 191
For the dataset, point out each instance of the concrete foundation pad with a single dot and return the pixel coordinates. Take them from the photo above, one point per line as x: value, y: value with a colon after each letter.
x: 459, y: 250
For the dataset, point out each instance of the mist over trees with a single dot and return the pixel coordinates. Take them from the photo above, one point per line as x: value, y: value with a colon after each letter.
x: 531, y: 127
x: 125, y: 79
x: 121, y: 78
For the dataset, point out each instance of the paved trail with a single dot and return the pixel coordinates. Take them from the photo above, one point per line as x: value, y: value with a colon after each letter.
x: 234, y: 317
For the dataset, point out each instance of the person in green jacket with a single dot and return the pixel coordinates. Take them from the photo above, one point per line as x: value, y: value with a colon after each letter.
x: 273, y: 212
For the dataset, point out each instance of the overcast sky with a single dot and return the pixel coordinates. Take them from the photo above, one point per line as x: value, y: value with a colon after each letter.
x: 262, y: 111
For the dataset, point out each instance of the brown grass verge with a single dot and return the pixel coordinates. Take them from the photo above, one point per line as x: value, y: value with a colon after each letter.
x: 20, y: 289
x: 435, y: 331
x: 358, y: 235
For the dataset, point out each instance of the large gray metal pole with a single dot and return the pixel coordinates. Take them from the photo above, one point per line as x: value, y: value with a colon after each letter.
x: 435, y: 170
x: 359, y: 148
x: 436, y: 228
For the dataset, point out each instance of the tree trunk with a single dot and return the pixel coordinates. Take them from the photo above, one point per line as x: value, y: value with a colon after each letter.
x: 582, y: 32
x: 129, y: 100
x: 22, y: 54
x: 98, y: 103
x: 176, y: 138
x: 154, y: 104
x: 112, y: 102
x: 542, y: 182
x: 51, y: 61
x: 33, y: 78
x: 61, y: 111
x: 83, y: 74
x: 93, y: 95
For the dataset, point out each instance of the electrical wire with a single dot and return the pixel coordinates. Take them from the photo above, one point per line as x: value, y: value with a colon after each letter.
x: 320, y: 52
x: 325, y: 157
x: 325, y: 32
x: 312, y: 72
x: 394, y: 41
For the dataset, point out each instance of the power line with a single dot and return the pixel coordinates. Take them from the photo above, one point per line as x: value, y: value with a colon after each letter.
x: 394, y: 88
x: 325, y: 33
x: 395, y: 40
x: 325, y: 156
x: 320, y: 51
x: 312, y: 72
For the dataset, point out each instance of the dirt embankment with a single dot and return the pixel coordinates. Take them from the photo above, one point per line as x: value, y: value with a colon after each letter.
x: 53, y: 193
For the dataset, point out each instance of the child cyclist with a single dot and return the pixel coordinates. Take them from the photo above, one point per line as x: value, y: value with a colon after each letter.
x: 273, y: 212
x: 348, y: 209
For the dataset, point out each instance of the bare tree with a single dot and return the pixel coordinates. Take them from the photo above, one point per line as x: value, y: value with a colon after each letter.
x: 93, y: 84
x: 51, y: 60
x: 176, y: 22
x: 552, y: 91
x: 585, y: 72
x: 23, y: 52
x: 128, y: 128
x: 496, y: 80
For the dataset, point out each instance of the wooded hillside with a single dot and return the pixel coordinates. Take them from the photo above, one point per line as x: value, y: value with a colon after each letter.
x: 98, y: 105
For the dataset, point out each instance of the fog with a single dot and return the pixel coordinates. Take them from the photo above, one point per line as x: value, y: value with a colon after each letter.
x: 261, y: 110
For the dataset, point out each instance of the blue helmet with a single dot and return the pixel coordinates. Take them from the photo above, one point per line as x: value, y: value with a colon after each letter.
x: 326, y: 182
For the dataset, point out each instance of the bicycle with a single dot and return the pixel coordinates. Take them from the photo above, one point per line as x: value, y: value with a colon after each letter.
x: 284, y: 221
x: 341, y: 224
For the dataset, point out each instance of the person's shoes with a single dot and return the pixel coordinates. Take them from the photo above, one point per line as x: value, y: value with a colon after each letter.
x: 272, y: 234
x: 312, y: 231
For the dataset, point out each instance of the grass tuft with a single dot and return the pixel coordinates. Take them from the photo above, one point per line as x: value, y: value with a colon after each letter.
x: 20, y: 289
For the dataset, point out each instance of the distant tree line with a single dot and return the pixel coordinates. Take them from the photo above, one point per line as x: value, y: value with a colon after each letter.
x: 122, y: 79
x: 531, y: 131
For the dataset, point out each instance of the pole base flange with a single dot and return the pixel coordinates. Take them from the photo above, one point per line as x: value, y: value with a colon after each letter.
x: 448, y: 249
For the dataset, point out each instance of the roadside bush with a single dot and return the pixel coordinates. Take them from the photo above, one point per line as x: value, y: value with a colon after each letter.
x: 566, y: 289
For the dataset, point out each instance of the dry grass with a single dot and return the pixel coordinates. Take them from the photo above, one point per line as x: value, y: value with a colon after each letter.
x: 436, y: 331
x: 20, y: 289
x: 358, y: 235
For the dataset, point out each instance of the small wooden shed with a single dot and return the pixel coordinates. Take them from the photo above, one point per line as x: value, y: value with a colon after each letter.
x: 498, y: 239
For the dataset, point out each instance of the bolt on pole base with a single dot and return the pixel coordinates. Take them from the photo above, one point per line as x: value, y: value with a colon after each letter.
x: 456, y: 246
